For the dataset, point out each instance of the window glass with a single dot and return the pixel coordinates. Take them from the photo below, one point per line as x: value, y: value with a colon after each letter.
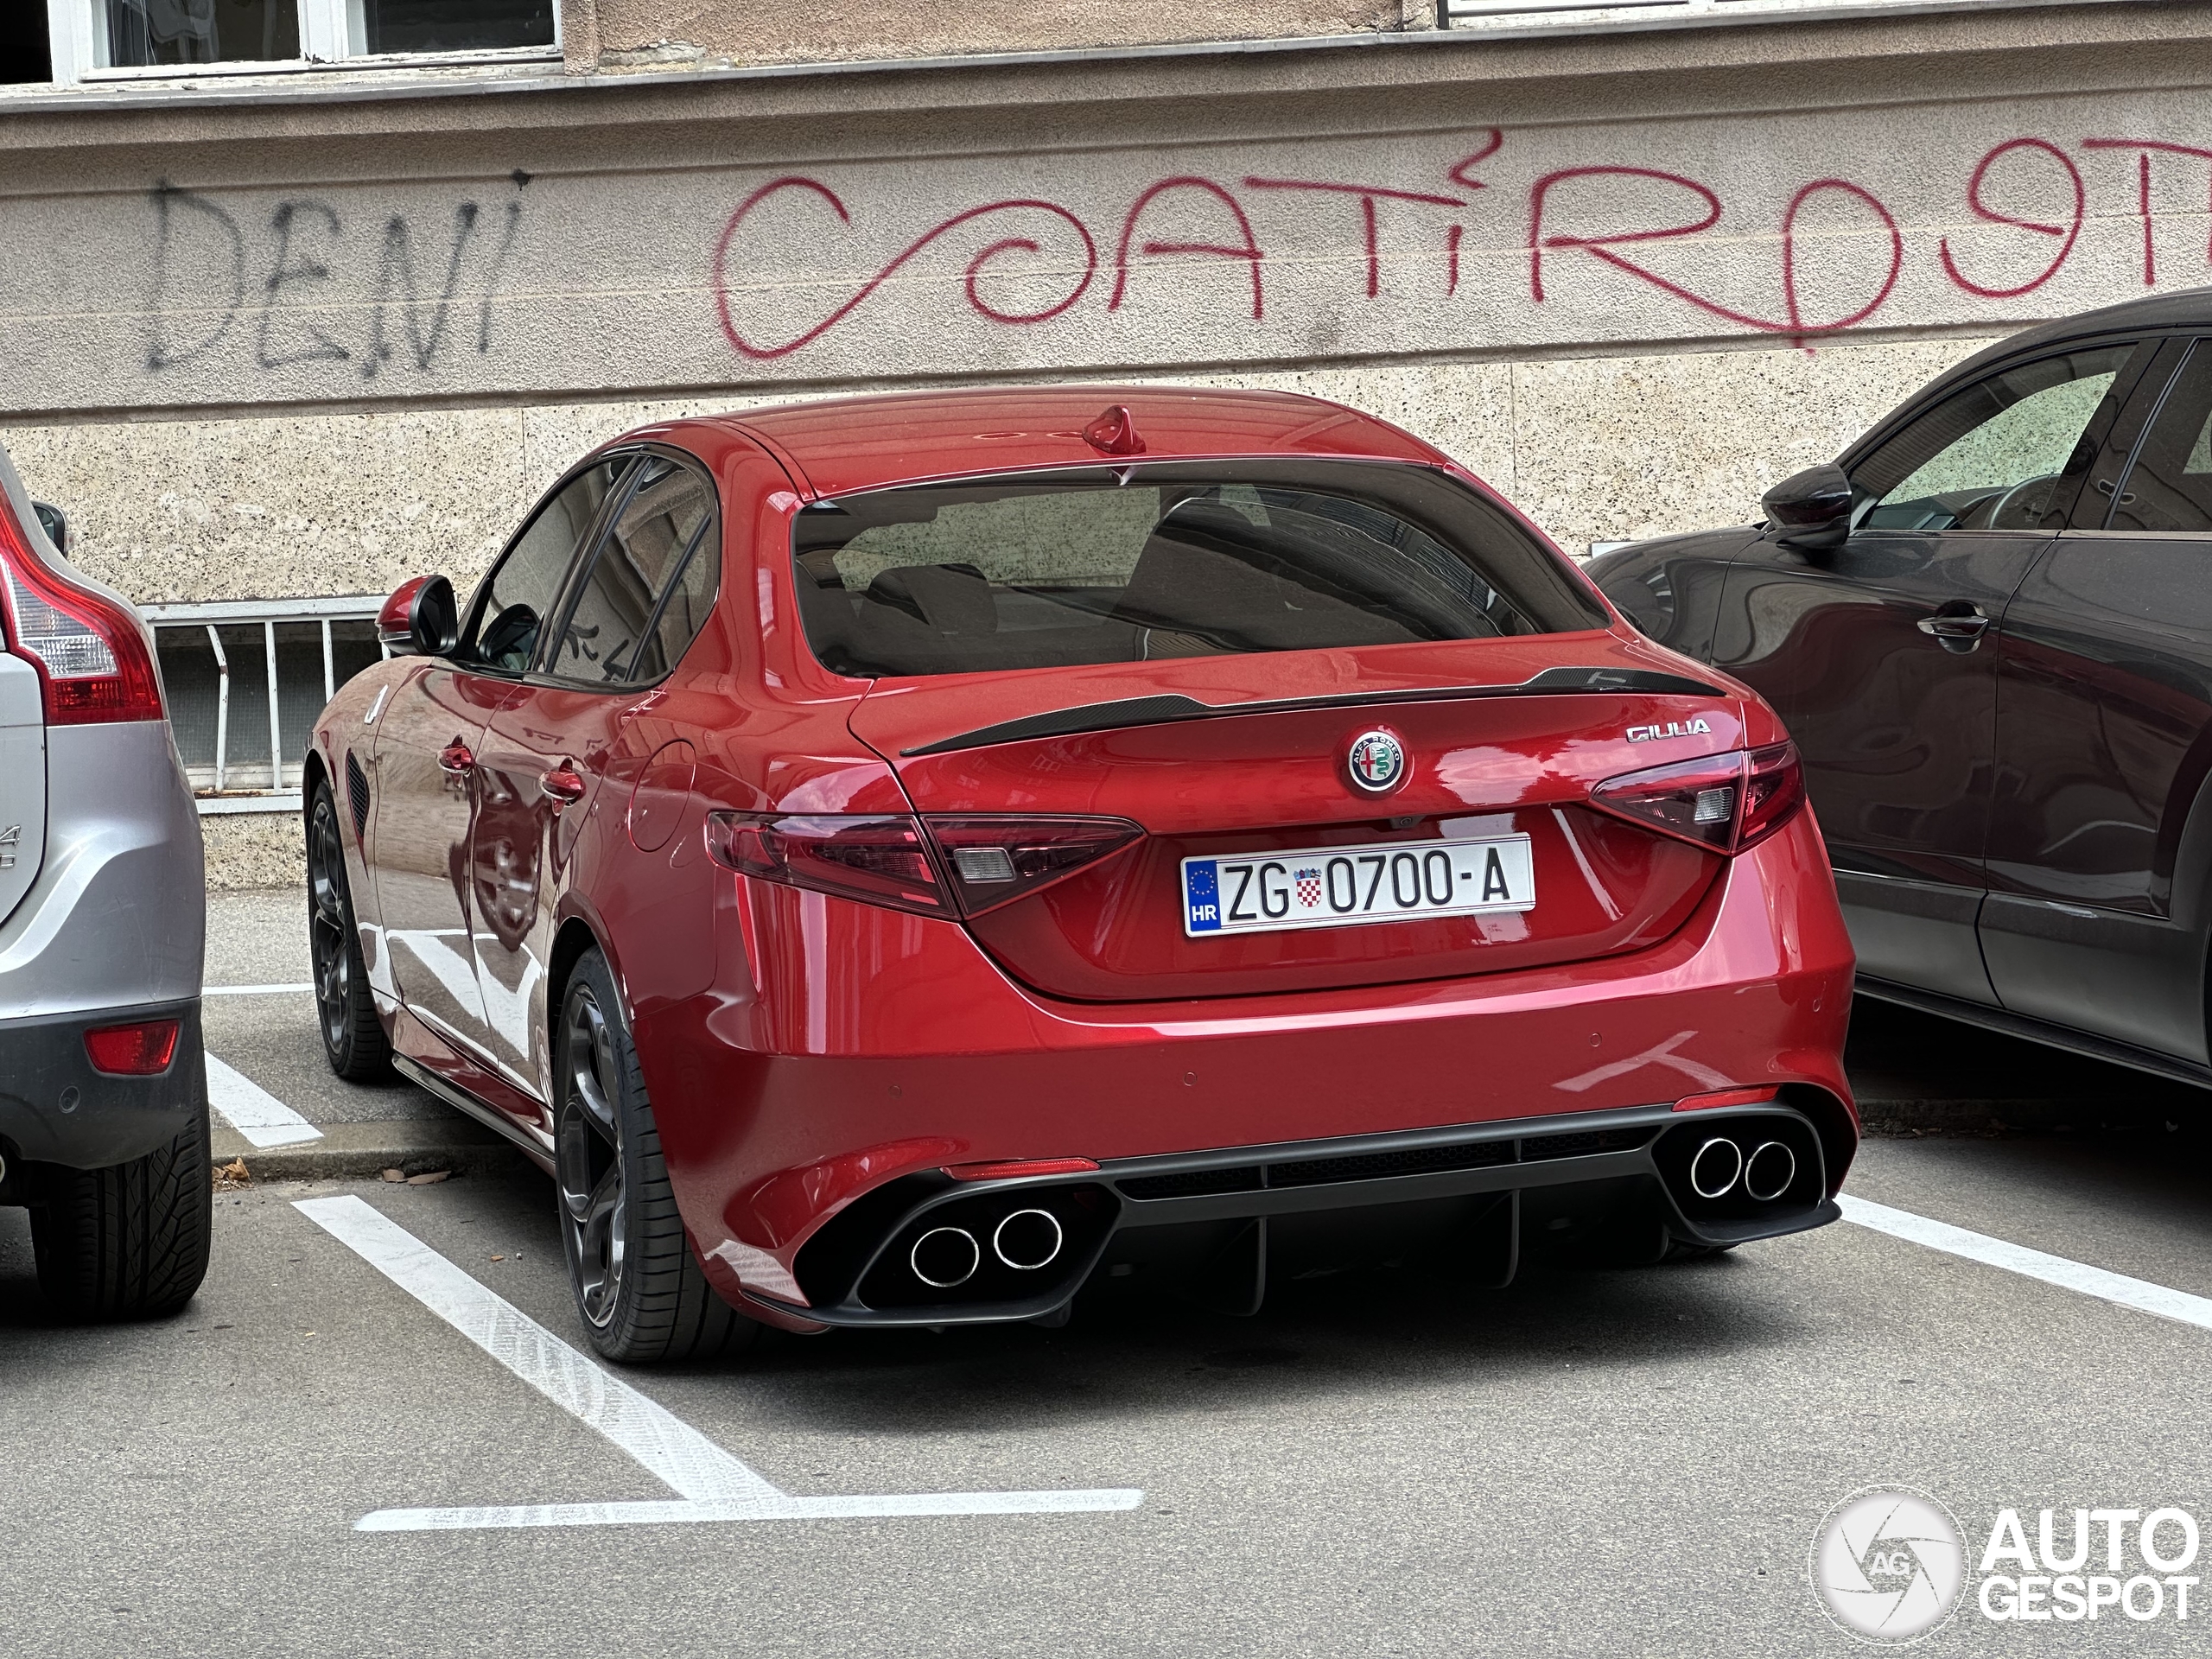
x: 511, y: 607
x: 1165, y: 560
x: 1993, y: 456
x: 454, y: 25
x: 618, y: 606
x: 142, y: 33
x: 2169, y: 483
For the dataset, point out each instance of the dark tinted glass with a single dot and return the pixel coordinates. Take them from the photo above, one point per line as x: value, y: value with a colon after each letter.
x: 141, y: 33
x: 454, y: 25
x: 619, y: 629
x: 2169, y: 484
x: 1993, y: 456
x: 510, y: 608
x: 1167, y: 560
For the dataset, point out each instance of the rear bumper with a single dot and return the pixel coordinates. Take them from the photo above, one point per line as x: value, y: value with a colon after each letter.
x: 55, y: 1109
x: 869, y: 1046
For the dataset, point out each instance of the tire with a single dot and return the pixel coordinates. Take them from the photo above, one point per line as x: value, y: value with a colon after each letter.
x: 129, y: 1242
x: 353, y: 1039
x: 639, y: 1291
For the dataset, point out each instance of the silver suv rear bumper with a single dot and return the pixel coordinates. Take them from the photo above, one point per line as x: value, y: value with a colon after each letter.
x: 114, y: 928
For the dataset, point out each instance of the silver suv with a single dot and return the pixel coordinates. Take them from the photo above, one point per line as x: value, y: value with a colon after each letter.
x: 103, y: 919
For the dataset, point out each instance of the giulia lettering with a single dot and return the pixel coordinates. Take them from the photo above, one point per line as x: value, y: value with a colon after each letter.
x: 1697, y: 727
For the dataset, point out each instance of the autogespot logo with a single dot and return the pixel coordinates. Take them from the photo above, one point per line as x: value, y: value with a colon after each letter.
x: 1888, y: 1564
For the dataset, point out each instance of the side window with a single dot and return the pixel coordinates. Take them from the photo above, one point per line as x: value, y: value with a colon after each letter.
x: 2167, y: 485
x: 2004, y: 454
x: 649, y: 584
x: 511, y: 607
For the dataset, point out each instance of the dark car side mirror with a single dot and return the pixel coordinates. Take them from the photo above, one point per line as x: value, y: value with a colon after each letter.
x: 55, y: 523
x: 421, y: 619
x: 1810, y: 511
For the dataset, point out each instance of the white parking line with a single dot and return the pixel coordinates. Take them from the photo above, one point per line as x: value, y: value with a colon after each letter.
x: 713, y: 1484
x: 255, y: 990
x: 2139, y: 1294
x: 253, y: 1111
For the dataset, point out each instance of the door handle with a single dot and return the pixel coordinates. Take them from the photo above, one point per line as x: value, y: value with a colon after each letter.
x: 457, y: 758
x: 563, y: 784
x: 1958, y: 631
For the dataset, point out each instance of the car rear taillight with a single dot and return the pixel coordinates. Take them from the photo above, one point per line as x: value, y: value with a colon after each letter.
x: 91, y: 652
x: 979, y: 862
x: 880, y: 859
x: 997, y: 859
x: 139, y: 1051
x: 1726, y: 802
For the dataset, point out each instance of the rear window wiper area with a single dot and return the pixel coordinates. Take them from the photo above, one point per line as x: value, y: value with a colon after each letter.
x: 1168, y: 709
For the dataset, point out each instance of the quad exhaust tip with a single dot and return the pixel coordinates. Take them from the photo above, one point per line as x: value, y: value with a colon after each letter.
x: 945, y: 1257
x: 1766, y: 1172
x: 1028, y: 1240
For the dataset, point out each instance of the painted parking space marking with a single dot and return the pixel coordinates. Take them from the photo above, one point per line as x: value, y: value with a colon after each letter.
x: 2139, y: 1294
x: 255, y: 990
x: 253, y: 1111
x: 712, y: 1486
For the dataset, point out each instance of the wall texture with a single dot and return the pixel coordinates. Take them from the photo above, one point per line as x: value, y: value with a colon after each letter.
x: 284, y: 342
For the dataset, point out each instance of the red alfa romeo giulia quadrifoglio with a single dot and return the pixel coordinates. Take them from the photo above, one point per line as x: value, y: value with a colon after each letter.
x: 899, y: 861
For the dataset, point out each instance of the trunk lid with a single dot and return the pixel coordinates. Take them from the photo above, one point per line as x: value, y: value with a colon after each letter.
x: 1224, y: 757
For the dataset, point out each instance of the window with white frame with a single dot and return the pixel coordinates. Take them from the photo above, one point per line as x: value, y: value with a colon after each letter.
x: 100, y: 38
x: 245, y: 681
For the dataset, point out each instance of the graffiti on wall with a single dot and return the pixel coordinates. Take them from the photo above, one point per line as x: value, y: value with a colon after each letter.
x: 2022, y: 203
x: 414, y: 293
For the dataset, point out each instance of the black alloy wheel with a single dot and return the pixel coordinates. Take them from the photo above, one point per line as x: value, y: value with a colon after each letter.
x: 643, y: 1295
x: 354, y: 1039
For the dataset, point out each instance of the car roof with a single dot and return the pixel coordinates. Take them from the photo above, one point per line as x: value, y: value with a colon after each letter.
x: 2187, y: 307
x: 844, y: 444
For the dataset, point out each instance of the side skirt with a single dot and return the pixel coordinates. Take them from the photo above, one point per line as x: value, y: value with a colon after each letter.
x: 2036, y: 1030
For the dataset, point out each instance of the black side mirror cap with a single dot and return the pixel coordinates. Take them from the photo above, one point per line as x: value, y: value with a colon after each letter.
x: 421, y: 619
x: 55, y: 523
x: 1810, y: 511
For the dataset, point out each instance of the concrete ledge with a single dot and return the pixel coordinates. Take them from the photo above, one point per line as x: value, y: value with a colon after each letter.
x: 363, y: 1151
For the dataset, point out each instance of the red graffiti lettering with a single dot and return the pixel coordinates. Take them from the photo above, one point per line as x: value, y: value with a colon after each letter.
x: 2069, y: 230
x: 1492, y: 142
x: 1368, y: 195
x: 1792, y: 323
x: 1009, y: 244
x: 2146, y: 147
x: 1248, y: 250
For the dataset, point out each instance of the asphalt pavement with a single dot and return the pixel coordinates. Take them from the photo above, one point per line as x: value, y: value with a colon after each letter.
x: 1590, y: 1461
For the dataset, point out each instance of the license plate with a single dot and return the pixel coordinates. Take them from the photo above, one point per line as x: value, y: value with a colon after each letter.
x: 1343, y: 887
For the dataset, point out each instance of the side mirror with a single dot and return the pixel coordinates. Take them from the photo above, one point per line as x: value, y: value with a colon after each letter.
x: 55, y: 523
x: 420, y: 619
x: 1810, y: 511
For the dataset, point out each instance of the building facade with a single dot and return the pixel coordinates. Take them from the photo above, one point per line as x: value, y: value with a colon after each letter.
x: 301, y: 297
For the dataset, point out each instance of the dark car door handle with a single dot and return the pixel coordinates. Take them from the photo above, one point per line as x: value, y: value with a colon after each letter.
x: 1956, y: 631
x: 563, y: 786
x: 456, y: 758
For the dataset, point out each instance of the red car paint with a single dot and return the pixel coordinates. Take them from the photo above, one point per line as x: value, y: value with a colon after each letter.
x: 803, y: 1049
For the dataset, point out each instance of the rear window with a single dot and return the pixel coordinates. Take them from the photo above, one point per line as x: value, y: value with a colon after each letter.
x: 1166, y: 559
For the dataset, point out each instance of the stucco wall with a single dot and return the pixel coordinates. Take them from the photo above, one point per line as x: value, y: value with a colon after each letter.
x: 638, y: 33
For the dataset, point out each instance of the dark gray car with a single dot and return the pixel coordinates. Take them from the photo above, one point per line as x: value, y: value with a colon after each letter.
x: 1989, y: 627
x: 103, y: 1081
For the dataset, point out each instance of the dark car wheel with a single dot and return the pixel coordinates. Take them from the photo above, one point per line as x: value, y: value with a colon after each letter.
x: 641, y: 1291
x: 129, y: 1242
x: 353, y: 1038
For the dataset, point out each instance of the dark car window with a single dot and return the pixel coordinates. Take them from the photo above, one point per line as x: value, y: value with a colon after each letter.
x: 2000, y: 455
x: 510, y: 609
x: 2167, y: 485
x: 649, y: 584
x: 1097, y: 565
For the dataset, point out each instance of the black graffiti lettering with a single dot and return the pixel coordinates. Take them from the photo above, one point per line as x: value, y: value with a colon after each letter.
x: 171, y: 251
x: 395, y: 274
x: 290, y: 272
x: 499, y: 267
